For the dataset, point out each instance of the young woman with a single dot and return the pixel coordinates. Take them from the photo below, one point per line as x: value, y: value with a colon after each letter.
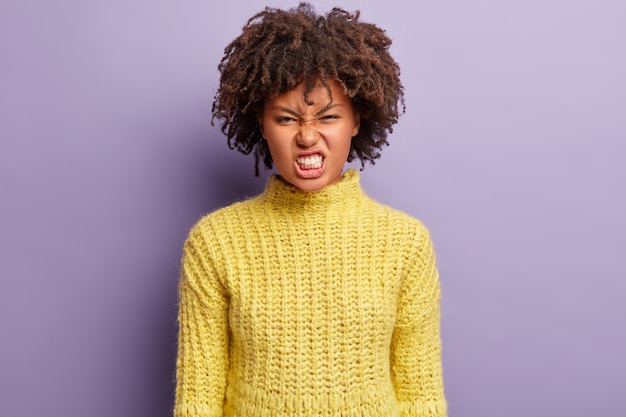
x: 310, y: 299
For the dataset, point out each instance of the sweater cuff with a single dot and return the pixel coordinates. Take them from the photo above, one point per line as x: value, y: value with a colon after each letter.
x: 418, y: 408
x: 197, y: 410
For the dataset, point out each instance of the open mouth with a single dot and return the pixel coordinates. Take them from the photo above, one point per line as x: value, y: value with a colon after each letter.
x: 310, y: 161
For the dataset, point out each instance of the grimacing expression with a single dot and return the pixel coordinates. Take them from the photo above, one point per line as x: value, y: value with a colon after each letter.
x: 310, y: 142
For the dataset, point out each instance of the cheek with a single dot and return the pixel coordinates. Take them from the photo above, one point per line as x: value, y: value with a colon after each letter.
x: 347, y: 139
x: 278, y: 149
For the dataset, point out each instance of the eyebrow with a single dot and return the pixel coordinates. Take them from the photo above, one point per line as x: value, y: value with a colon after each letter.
x: 329, y: 106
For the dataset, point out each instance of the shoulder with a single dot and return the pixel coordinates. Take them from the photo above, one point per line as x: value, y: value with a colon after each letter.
x: 217, y: 233
x: 397, y: 219
x: 220, y: 229
x: 406, y: 235
x: 226, y: 217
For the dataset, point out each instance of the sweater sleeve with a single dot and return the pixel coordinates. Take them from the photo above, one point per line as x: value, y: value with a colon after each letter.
x: 416, y: 347
x: 202, y: 362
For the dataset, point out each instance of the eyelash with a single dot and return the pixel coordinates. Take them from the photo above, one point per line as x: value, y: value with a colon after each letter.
x: 287, y: 119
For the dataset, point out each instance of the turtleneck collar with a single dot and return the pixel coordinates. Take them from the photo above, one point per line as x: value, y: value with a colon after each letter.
x: 282, y: 194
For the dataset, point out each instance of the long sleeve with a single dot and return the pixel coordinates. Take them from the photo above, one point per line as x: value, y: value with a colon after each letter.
x: 303, y: 304
x: 416, y: 346
x: 202, y: 362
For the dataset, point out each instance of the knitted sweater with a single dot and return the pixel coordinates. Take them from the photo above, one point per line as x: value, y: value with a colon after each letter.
x: 303, y: 304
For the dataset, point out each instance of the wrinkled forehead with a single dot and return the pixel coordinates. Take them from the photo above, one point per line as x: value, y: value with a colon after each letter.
x: 313, y: 89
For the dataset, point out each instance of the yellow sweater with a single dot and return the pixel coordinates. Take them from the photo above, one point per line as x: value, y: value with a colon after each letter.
x: 309, y: 304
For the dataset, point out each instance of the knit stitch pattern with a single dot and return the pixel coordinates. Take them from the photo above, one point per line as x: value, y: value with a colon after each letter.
x: 298, y: 304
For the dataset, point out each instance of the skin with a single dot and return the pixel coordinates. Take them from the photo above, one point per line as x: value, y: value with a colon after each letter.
x: 299, y: 134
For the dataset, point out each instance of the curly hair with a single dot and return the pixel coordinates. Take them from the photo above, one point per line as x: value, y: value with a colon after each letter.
x: 279, y: 49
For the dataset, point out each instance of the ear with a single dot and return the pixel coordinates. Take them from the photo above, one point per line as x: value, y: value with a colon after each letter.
x: 357, y: 123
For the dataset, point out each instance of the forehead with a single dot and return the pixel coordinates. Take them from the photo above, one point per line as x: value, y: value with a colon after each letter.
x: 319, y: 95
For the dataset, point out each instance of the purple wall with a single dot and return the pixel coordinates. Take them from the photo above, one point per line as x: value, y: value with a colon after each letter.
x: 512, y: 152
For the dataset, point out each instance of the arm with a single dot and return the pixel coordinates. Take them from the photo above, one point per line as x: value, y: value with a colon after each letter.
x: 202, y: 363
x: 416, y: 346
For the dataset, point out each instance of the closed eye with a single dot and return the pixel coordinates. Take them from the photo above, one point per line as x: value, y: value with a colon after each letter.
x: 288, y: 120
x: 329, y: 118
x: 285, y: 120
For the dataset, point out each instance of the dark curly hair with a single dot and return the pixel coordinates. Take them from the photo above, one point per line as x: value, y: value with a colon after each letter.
x: 279, y: 49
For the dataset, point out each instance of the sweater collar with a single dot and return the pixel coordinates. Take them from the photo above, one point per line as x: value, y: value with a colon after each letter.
x: 282, y: 194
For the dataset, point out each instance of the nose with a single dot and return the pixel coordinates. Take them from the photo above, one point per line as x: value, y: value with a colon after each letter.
x: 307, y: 135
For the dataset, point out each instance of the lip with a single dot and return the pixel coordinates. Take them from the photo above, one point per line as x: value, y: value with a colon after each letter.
x: 310, y: 173
x: 311, y: 153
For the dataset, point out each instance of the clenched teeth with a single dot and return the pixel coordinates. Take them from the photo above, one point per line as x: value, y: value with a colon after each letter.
x: 310, y: 162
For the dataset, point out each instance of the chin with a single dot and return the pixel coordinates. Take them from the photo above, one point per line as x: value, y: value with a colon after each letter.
x: 312, y: 187
x: 308, y: 185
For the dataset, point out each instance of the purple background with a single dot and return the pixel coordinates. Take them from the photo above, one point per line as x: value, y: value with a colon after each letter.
x: 512, y: 152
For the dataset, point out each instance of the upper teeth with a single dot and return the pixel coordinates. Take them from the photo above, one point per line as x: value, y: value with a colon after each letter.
x: 314, y: 161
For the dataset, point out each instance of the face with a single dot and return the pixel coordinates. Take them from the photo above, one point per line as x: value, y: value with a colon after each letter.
x: 310, y: 143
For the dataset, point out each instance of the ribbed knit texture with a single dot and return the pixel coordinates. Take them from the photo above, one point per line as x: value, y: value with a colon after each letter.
x: 309, y: 304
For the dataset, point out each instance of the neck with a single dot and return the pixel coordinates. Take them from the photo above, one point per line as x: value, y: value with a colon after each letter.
x: 285, y: 195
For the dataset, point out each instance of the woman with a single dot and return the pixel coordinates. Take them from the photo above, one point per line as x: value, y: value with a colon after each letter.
x: 310, y: 299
